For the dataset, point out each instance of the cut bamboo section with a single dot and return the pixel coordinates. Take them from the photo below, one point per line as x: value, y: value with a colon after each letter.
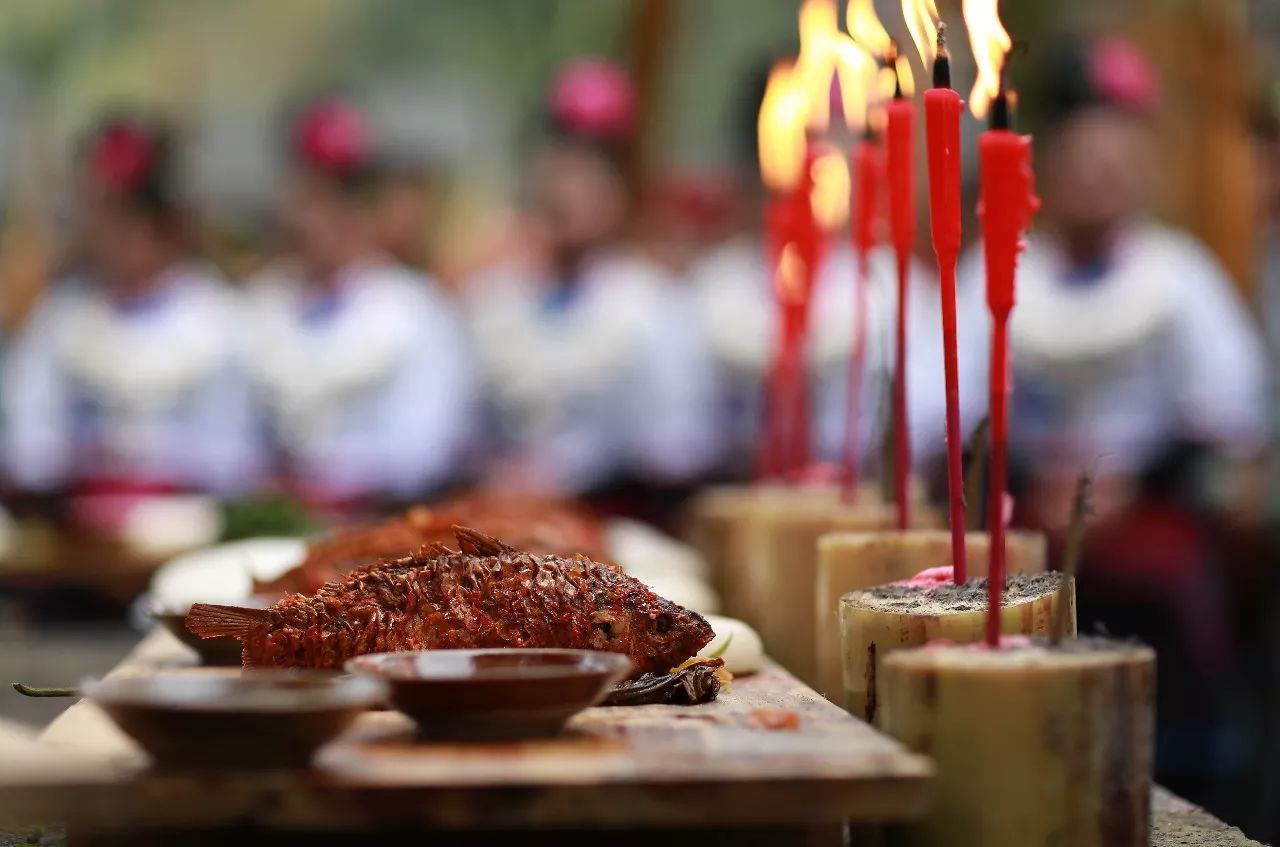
x: 849, y: 561
x: 1036, y: 745
x: 780, y: 570
x: 879, y: 621
x: 718, y: 513
x: 723, y: 527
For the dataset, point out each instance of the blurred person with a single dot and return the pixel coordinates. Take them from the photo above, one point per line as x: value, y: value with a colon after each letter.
x: 1262, y: 595
x: 404, y: 213
x: 595, y: 370
x: 1134, y: 360
x: 1266, y: 127
x: 1129, y: 340
x: 361, y: 361
x: 123, y: 380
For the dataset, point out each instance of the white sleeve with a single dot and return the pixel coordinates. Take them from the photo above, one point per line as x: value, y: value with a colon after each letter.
x: 973, y: 334
x: 37, y: 406
x: 429, y: 410
x: 670, y: 412
x: 228, y: 434
x: 1222, y: 380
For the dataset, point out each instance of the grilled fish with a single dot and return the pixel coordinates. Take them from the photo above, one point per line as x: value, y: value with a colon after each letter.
x: 486, y: 594
x: 535, y: 524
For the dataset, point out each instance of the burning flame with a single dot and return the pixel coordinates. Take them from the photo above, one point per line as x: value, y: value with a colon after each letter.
x: 781, y: 128
x: 899, y: 76
x: 791, y: 273
x: 829, y: 197
x: 856, y: 72
x: 866, y: 28
x: 922, y: 22
x: 990, y: 43
x: 819, y: 35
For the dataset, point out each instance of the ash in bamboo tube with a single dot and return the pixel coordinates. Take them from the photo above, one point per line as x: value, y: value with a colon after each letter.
x: 1036, y: 744
x: 854, y: 561
x: 879, y: 621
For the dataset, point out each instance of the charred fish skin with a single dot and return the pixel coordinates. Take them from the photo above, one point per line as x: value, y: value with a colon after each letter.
x: 486, y: 594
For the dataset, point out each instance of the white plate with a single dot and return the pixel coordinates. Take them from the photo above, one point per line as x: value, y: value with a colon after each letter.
x: 745, y: 653
x: 225, y: 573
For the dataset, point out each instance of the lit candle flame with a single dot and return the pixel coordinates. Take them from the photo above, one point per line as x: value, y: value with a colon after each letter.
x: 906, y: 81
x: 816, y: 63
x: 922, y: 22
x: 856, y: 72
x: 990, y: 43
x: 791, y: 273
x: 831, y: 184
x: 891, y: 79
x: 866, y: 28
x: 781, y: 128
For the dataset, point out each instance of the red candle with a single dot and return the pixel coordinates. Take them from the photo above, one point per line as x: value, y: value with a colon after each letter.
x: 868, y: 163
x: 942, y: 110
x: 794, y: 252
x: 778, y: 229
x: 783, y: 169
x: 900, y: 145
x: 1006, y: 205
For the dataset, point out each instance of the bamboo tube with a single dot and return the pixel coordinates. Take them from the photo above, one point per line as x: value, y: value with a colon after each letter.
x: 780, y: 561
x: 717, y: 514
x: 849, y: 561
x: 879, y: 621
x: 723, y: 527
x: 1035, y: 745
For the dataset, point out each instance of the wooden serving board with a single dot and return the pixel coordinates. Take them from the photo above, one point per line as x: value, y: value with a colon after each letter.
x: 649, y: 766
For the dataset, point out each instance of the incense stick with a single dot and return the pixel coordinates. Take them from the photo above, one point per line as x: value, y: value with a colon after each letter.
x: 1080, y: 509
x: 975, y: 476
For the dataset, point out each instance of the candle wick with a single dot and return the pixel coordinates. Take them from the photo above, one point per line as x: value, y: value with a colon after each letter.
x: 891, y: 61
x: 942, y: 60
x: 1001, y: 106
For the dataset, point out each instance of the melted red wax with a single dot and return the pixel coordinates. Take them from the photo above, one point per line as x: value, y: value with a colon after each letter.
x: 941, y: 575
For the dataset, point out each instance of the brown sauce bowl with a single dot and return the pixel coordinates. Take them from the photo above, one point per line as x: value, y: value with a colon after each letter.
x: 223, y: 718
x: 494, y: 694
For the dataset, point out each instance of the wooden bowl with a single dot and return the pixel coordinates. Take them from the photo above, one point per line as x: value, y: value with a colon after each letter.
x: 224, y: 718
x: 494, y: 694
x: 221, y: 651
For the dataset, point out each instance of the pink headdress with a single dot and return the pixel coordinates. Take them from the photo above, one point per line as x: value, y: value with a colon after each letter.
x: 333, y: 136
x: 1122, y: 76
x: 594, y: 98
x: 122, y: 156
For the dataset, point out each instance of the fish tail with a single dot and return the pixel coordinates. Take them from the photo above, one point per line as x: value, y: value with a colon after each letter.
x: 476, y: 543
x: 209, y: 620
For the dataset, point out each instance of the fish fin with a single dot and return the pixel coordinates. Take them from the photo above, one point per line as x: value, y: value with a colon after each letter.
x: 209, y: 620
x: 438, y: 548
x: 478, y: 544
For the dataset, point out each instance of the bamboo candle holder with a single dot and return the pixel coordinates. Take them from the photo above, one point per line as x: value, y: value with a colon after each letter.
x: 719, y: 515
x: 849, y: 561
x: 876, y: 622
x: 780, y: 569
x: 1035, y: 744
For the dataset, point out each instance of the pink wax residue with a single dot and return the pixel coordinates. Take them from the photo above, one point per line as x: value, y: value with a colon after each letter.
x: 1007, y: 642
x: 930, y: 577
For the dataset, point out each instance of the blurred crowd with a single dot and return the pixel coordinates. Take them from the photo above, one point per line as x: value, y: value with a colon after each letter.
x: 616, y: 336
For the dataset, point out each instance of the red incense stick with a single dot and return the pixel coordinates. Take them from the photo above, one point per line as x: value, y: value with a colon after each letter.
x: 1007, y: 203
x: 868, y: 163
x: 942, y: 110
x: 900, y: 143
x: 778, y: 227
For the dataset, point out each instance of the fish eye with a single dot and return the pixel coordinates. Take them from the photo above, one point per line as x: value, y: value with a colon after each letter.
x: 663, y: 623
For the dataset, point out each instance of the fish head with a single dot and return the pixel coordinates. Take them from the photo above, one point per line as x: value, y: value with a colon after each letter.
x: 669, y: 633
